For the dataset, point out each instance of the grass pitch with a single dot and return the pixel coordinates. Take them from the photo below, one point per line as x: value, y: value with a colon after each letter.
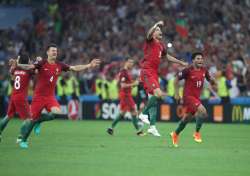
x: 67, y: 148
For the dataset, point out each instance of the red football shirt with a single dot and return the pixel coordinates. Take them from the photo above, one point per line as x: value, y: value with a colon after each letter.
x: 21, y: 82
x: 194, y: 80
x: 153, y: 51
x: 47, y: 77
x: 125, y: 77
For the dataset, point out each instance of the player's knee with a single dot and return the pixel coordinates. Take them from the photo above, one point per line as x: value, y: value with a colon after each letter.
x: 202, y: 112
x: 134, y: 113
x: 56, y: 110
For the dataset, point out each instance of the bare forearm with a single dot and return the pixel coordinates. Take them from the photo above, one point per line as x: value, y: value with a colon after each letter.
x: 79, y: 67
x: 150, y: 32
x: 26, y: 66
x: 173, y: 59
x: 127, y: 85
x: 176, y: 86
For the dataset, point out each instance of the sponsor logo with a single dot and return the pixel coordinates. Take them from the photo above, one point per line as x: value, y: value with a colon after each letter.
x: 240, y: 113
x: 111, y: 110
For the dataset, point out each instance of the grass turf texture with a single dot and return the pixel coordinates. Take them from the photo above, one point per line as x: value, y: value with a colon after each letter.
x: 84, y: 148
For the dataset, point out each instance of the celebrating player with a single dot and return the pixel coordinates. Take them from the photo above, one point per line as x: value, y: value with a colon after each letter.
x: 127, y: 103
x: 18, y: 103
x: 194, y: 79
x: 154, y: 50
x: 44, y: 95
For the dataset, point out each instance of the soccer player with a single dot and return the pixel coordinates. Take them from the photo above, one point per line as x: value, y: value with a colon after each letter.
x: 127, y: 103
x: 44, y: 94
x: 18, y: 103
x: 194, y: 79
x: 154, y: 50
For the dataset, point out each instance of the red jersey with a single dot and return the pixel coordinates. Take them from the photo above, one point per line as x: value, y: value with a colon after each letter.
x: 194, y: 80
x: 21, y: 82
x: 125, y: 77
x: 153, y: 51
x: 47, y: 77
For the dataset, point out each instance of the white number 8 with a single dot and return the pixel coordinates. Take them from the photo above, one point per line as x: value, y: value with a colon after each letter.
x: 17, y: 84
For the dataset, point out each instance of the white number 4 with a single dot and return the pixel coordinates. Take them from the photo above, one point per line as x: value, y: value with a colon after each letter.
x: 51, y: 78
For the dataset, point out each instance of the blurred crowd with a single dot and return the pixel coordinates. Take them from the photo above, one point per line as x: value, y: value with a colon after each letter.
x: 113, y: 30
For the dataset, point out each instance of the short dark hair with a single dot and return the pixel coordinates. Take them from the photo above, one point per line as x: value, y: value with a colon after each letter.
x: 51, y: 45
x: 24, y: 58
x: 196, y: 54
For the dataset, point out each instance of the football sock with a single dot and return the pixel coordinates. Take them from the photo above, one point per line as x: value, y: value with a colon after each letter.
x: 29, y: 126
x: 116, y: 120
x: 151, y: 102
x: 23, y: 128
x: 46, y: 117
x: 135, y: 122
x: 4, y: 123
x: 153, y: 115
x: 181, y: 126
x: 199, y: 121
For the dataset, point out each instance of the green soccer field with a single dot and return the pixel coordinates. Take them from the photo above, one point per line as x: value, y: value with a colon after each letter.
x: 83, y: 148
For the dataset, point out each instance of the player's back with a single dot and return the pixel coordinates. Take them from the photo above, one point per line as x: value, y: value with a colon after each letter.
x: 125, y: 77
x: 21, y: 82
x: 194, y: 80
x: 153, y: 51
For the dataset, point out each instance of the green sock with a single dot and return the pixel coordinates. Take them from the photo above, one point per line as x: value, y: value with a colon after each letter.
x: 181, y: 126
x: 116, y: 120
x: 151, y: 102
x: 135, y: 122
x: 4, y: 123
x: 23, y: 128
x: 46, y: 117
x: 153, y: 115
x: 199, y: 121
x: 28, y: 128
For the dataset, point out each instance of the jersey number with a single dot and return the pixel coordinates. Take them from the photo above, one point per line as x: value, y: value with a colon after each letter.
x: 198, y: 84
x: 17, y: 83
x: 51, y: 78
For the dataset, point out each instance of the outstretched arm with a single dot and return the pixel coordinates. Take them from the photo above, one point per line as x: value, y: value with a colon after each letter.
x: 126, y: 85
x: 152, y: 29
x: 177, y: 61
x: 94, y: 63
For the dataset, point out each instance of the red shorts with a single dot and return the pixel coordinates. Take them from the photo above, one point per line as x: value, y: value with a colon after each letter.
x: 191, y: 104
x: 19, y: 106
x: 38, y: 103
x: 127, y: 103
x: 150, y: 81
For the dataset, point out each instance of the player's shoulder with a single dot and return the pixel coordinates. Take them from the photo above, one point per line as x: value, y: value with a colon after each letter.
x: 123, y: 72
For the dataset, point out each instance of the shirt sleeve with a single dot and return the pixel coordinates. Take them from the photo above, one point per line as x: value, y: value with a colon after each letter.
x: 64, y: 67
x: 183, y: 74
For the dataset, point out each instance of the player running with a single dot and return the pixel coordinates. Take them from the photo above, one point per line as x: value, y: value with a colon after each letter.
x: 127, y: 103
x: 44, y: 94
x: 194, y: 77
x: 18, y: 103
x: 154, y: 50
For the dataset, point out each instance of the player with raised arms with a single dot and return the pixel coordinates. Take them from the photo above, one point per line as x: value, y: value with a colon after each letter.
x: 154, y: 51
x: 44, y: 94
x: 18, y: 103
